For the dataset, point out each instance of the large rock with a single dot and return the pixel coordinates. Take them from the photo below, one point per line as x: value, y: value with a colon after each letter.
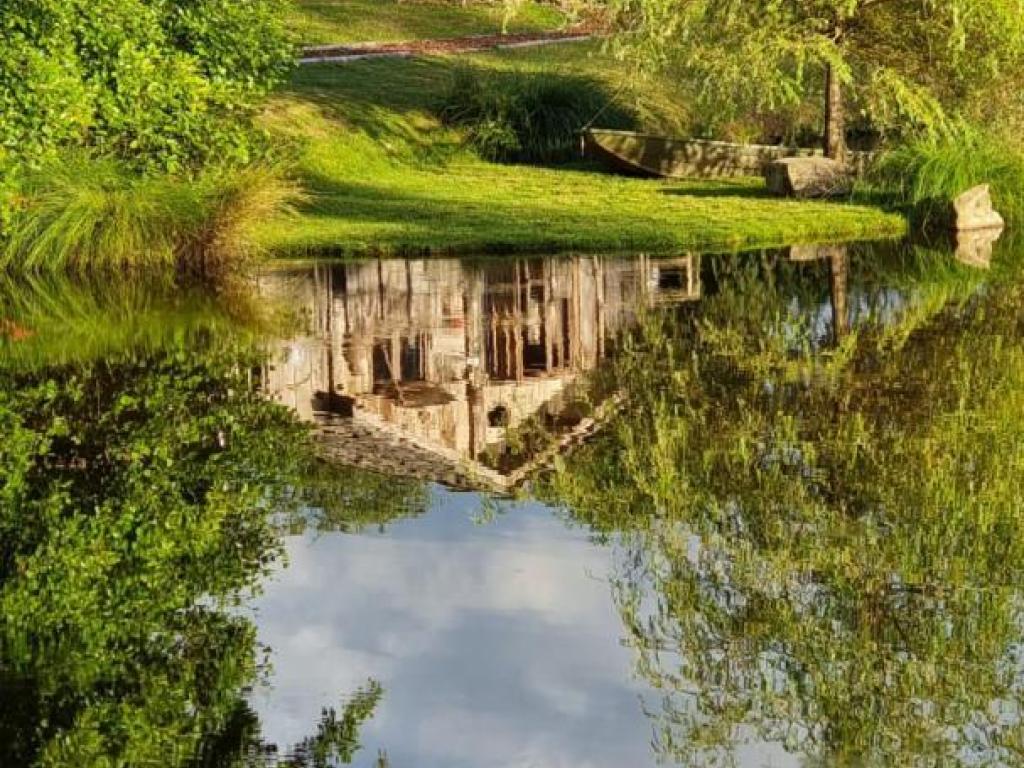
x: 808, y: 177
x: 973, y: 210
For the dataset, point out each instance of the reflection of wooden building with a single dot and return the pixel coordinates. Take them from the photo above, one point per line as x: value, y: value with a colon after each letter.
x: 438, y: 360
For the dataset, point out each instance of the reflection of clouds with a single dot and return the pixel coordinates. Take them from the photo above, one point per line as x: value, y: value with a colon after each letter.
x: 495, y: 644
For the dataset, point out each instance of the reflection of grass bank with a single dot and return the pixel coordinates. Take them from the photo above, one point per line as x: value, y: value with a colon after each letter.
x: 50, y: 320
x: 385, y: 176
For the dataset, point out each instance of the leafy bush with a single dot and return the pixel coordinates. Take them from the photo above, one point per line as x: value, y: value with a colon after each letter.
x: 78, y: 213
x: 926, y: 173
x: 528, y: 117
x: 161, y: 82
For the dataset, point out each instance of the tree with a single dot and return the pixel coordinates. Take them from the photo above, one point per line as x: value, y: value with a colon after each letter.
x: 896, y: 61
x: 161, y: 82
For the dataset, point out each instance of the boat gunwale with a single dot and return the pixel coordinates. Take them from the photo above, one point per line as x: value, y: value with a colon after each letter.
x: 711, y: 142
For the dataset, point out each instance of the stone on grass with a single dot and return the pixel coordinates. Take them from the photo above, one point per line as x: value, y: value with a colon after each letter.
x: 808, y: 177
x: 973, y: 210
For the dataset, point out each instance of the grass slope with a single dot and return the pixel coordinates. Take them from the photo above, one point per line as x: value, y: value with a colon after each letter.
x: 320, y: 22
x: 385, y: 177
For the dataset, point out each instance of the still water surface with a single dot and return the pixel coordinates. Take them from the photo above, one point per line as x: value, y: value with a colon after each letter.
x: 758, y: 509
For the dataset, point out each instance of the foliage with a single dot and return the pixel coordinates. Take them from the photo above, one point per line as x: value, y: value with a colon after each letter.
x: 337, y: 738
x: 162, y: 83
x: 338, y: 499
x: 519, y: 116
x: 145, y: 482
x: 80, y: 213
x: 906, y: 63
x: 821, y: 555
x: 926, y: 173
x: 240, y: 744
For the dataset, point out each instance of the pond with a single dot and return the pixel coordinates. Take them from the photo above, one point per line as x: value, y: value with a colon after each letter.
x: 760, y: 509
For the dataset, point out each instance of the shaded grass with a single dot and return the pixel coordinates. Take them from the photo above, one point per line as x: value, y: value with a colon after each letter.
x: 385, y: 176
x: 320, y: 22
x: 527, y: 117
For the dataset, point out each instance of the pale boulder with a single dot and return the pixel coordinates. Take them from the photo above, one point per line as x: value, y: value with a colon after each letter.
x: 973, y: 210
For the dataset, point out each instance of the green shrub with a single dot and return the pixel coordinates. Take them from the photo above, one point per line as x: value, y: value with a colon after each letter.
x: 165, y: 83
x: 926, y: 173
x: 528, y: 117
x: 80, y: 213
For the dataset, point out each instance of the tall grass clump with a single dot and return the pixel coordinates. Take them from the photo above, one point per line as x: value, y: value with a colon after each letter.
x: 925, y: 173
x: 528, y: 117
x: 85, y: 213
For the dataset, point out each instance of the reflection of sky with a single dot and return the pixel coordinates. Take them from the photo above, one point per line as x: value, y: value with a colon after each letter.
x: 497, y: 644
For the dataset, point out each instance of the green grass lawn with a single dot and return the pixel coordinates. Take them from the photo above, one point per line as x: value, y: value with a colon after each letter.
x: 320, y: 22
x: 385, y: 177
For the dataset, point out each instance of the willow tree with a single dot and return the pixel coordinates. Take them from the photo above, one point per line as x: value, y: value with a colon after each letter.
x: 897, y: 62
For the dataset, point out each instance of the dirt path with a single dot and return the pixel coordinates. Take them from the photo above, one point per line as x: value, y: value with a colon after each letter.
x: 341, y: 54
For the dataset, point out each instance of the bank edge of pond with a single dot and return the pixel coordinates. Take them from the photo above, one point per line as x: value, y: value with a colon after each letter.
x: 295, y: 240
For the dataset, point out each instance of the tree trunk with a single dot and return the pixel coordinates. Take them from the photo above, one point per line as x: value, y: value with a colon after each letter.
x: 835, y: 117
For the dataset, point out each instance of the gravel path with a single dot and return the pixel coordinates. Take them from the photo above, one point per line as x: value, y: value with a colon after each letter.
x: 342, y: 54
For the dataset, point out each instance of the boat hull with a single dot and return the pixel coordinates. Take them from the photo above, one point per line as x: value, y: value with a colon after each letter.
x: 645, y: 155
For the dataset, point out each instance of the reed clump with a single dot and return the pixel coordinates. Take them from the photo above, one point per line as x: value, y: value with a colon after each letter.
x: 83, y: 213
x: 528, y: 117
x: 924, y: 173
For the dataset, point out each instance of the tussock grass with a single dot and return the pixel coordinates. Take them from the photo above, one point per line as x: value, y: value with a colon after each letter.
x: 80, y: 213
x: 528, y: 117
x: 51, y: 319
x: 925, y: 173
x: 236, y: 203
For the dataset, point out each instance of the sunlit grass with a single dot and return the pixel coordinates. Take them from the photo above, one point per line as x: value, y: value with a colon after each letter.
x: 345, y: 21
x: 384, y: 176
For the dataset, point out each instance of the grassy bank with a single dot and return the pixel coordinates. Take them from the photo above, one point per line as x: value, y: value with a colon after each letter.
x: 80, y: 213
x: 320, y: 22
x: 384, y: 175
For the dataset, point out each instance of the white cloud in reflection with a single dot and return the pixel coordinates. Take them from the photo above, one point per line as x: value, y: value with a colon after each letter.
x: 496, y: 645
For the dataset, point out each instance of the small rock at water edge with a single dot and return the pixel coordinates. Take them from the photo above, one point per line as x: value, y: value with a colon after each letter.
x: 973, y: 210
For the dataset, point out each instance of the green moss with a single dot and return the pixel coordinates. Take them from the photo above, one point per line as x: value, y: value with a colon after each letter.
x: 386, y: 177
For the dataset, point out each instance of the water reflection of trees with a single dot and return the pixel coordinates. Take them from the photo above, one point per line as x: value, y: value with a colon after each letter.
x: 820, y: 546
x: 336, y: 740
x: 142, y: 494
